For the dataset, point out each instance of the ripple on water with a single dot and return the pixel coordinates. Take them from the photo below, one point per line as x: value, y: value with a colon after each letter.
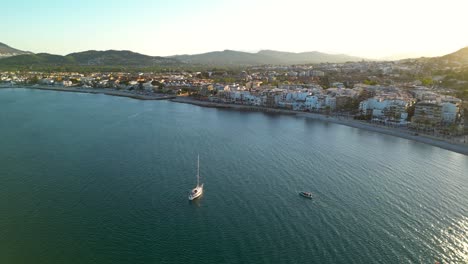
x: 103, y: 180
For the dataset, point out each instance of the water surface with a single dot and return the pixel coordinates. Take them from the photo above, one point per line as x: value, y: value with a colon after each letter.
x: 98, y: 179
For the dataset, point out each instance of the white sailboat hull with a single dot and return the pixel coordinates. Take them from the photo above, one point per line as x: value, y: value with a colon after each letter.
x: 196, y: 192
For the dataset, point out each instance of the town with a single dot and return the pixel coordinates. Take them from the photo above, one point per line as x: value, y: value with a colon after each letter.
x: 382, y: 93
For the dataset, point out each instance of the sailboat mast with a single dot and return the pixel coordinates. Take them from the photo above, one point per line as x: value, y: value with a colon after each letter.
x: 198, y: 170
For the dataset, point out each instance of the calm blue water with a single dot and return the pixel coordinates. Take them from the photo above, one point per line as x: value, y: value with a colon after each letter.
x: 98, y: 179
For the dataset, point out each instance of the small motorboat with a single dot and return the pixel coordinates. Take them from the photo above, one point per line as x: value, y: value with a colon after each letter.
x: 306, y: 194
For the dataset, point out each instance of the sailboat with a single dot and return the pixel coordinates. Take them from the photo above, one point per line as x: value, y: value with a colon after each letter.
x: 198, y: 190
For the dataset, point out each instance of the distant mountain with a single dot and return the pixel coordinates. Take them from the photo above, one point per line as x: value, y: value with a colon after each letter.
x: 226, y: 57
x: 7, y: 51
x: 125, y: 58
x: 11, y: 58
x: 307, y: 57
x: 35, y: 59
x: 115, y: 57
x: 231, y: 57
x: 460, y: 56
x: 89, y: 58
x: 403, y: 56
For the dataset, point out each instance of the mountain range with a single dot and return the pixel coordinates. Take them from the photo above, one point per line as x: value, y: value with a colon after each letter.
x: 460, y: 56
x: 7, y: 51
x: 231, y: 57
x: 87, y: 58
x: 11, y: 58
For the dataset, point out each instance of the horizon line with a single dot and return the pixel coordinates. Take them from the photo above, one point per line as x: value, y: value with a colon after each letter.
x: 398, y: 56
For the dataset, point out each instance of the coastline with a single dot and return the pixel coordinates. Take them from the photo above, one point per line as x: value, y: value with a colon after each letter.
x: 105, y: 91
x: 410, y: 135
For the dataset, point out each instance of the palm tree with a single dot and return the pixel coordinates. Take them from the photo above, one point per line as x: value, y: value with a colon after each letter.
x: 327, y: 110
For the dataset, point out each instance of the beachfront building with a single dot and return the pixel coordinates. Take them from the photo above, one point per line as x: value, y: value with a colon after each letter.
x: 313, y: 103
x: 422, y: 93
x: 450, y: 113
x: 67, y: 83
x: 372, y: 106
x: 430, y: 114
x: 385, y: 109
x: 427, y: 115
x: 396, y: 113
x: 46, y: 81
x: 250, y: 99
x: 272, y: 98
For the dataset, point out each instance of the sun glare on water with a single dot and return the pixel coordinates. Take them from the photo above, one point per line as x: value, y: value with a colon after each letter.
x: 454, y: 241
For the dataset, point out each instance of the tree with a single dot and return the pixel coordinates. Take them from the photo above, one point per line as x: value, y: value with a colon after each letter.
x: 427, y: 81
x: 327, y: 109
x: 34, y: 80
x: 369, y: 82
x: 410, y: 111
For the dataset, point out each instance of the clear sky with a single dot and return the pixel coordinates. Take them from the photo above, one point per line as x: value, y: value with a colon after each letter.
x: 367, y: 28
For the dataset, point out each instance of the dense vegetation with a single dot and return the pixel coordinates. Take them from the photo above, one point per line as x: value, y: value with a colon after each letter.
x: 117, y: 60
x: 84, y: 61
x: 5, y: 49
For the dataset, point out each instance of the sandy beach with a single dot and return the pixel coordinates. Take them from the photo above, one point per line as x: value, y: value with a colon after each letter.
x: 402, y: 133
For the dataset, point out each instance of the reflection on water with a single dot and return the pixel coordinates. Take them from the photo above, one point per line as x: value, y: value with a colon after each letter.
x: 197, y: 202
x: 454, y: 242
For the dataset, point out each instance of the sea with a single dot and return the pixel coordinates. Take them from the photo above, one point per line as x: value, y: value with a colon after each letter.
x: 91, y: 178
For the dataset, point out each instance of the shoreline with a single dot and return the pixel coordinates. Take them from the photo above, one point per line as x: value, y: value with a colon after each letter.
x: 105, y: 91
x: 410, y: 135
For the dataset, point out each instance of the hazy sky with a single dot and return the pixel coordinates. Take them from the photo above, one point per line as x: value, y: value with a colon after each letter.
x: 368, y: 28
